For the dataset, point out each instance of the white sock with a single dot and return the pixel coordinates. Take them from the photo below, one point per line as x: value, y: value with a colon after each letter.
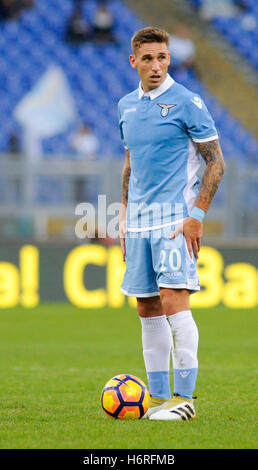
x: 157, y: 344
x: 184, y: 352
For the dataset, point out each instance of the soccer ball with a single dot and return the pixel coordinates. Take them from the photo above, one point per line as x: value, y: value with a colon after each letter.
x: 125, y: 397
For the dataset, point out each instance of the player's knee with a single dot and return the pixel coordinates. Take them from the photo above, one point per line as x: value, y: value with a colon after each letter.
x: 174, y: 300
x: 149, y: 307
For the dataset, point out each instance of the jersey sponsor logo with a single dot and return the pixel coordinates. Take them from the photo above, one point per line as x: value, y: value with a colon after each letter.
x: 129, y: 110
x: 197, y: 101
x: 165, y: 108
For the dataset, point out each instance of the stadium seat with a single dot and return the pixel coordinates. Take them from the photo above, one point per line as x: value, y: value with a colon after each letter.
x: 240, y: 30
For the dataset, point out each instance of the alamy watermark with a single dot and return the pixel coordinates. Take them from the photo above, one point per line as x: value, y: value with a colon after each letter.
x: 102, y: 220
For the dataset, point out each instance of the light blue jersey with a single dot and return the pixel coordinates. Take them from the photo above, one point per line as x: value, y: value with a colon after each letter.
x: 160, y: 129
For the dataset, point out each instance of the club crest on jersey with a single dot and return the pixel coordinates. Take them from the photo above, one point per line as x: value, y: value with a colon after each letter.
x: 165, y: 108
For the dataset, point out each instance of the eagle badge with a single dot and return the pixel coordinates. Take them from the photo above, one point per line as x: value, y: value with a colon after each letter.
x: 165, y: 108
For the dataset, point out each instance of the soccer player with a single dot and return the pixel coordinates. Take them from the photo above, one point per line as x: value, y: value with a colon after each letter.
x: 165, y: 129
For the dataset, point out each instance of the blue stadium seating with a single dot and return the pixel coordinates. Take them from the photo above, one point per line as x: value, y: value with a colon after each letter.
x: 99, y: 75
x: 240, y: 30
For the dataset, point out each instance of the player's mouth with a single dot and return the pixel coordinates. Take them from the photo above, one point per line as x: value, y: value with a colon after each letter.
x: 155, y: 78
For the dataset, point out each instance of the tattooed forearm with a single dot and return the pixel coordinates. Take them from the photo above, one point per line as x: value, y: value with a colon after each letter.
x: 125, y: 184
x: 215, y: 165
x: 125, y: 180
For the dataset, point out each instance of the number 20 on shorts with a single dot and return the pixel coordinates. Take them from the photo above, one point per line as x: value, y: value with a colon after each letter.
x: 173, y: 258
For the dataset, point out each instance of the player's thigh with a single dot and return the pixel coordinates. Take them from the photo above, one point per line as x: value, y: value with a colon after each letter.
x: 140, y: 277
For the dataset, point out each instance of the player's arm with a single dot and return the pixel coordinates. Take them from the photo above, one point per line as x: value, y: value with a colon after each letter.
x: 192, y: 227
x: 215, y: 165
x: 124, y: 200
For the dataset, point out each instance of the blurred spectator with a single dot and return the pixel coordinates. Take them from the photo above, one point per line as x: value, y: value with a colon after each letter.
x: 78, y: 30
x: 211, y: 9
x: 241, y: 4
x: 27, y: 3
x: 14, y: 146
x: 248, y: 17
x: 85, y: 143
x: 103, y: 24
x: 182, y: 49
x: 10, y: 9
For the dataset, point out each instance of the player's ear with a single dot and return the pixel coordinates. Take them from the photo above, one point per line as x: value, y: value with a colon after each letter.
x: 132, y: 61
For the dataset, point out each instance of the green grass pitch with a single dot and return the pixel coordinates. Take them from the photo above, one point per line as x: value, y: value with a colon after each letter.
x: 56, y: 358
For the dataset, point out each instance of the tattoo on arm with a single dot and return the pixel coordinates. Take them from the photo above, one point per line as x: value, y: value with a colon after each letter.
x: 215, y: 165
x: 125, y: 180
x: 125, y: 184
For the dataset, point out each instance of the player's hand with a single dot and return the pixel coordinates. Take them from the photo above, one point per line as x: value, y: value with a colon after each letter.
x: 192, y: 230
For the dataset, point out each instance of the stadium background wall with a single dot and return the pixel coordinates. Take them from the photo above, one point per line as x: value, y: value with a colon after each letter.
x: 89, y: 276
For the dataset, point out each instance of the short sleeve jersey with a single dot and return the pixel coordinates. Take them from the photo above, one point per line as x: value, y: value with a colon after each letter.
x: 160, y: 129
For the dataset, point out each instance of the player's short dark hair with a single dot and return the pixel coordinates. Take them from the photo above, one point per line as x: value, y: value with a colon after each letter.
x: 149, y: 34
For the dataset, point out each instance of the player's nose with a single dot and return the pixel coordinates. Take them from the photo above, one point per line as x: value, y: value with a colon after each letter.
x: 155, y: 65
